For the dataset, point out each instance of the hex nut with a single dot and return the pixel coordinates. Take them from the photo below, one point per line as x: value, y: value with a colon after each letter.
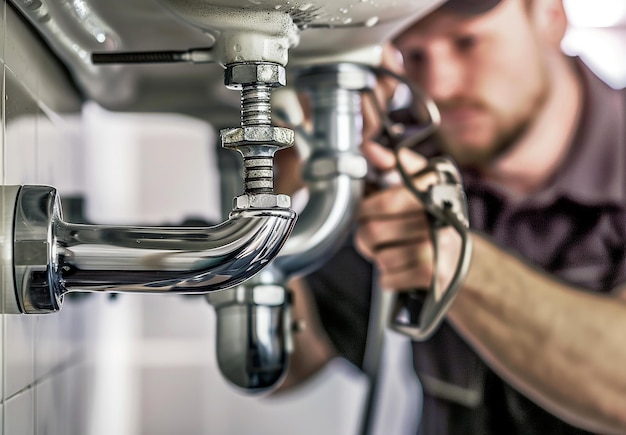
x: 241, y: 74
x: 257, y: 134
x: 261, y: 200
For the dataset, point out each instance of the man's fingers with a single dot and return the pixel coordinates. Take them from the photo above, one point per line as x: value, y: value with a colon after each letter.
x: 372, y: 122
x: 405, y: 279
x: 376, y: 103
x: 389, y: 203
x: 392, y: 59
x: 384, y: 159
x: 380, y: 157
x: 411, y: 161
x: 384, y: 232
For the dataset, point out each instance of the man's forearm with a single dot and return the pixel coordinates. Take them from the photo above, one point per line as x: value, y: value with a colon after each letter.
x: 562, y: 347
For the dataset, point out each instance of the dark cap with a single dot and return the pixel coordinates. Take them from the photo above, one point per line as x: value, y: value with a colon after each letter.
x: 470, y: 7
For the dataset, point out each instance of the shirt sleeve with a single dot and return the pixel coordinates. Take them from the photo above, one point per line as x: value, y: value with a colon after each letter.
x: 342, y: 289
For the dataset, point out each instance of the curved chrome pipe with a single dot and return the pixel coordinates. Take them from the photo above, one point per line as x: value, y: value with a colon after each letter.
x: 325, y: 224
x: 53, y: 257
x: 254, y: 318
x: 334, y: 175
x: 253, y: 335
x: 334, y: 172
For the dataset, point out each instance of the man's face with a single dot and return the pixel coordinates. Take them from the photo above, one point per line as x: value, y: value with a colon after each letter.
x: 486, y: 73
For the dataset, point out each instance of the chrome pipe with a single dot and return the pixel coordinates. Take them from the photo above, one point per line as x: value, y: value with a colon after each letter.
x: 52, y: 257
x: 253, y: 337
x: 334, y: 175
x: 334, y: 170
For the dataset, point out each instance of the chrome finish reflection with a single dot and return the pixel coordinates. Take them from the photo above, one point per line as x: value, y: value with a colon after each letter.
x: 335, y: 175
x: 253, y: 348
x: 53, y: 257
x: 7, y: 208
x: 335, y: 172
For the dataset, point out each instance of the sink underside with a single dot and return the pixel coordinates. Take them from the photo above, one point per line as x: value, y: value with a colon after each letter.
x: 76, y: 28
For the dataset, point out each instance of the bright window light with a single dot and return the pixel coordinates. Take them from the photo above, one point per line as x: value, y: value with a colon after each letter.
x: 595, y: 13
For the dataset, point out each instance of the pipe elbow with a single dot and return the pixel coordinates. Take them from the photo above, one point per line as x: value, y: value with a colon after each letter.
x: 52, y: 257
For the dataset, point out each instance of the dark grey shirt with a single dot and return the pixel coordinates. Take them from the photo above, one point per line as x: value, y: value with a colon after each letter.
x: 575, y: 229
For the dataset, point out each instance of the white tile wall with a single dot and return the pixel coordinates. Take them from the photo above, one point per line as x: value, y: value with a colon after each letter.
x: 44, y: 376
x: 19, y: 414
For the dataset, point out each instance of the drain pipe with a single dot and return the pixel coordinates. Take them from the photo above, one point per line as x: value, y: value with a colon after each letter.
x: 44, y: 257
x: 254, y: 325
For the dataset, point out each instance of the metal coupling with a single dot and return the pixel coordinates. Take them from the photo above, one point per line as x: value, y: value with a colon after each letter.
x: 238, y: 75
x: 327, y: 166
x: 257, y: 135
x: 261, y: 200
x: 253, y: 335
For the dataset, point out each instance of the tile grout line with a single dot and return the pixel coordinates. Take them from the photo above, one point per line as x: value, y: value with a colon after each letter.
x: 59, y: 368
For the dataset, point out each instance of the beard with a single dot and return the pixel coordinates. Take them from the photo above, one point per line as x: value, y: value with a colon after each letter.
x: 503, y: 141
x: 505, y: 136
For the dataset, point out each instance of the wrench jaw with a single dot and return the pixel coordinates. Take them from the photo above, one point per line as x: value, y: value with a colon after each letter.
x: 419, y: 313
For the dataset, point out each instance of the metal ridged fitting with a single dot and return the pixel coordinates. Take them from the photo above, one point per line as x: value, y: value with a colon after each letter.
x: 257, y: 140
x: 323, y: 167
x: 258, y: 175
x: 257, y: 135
x: 262, y: 201
x: 256, y: 106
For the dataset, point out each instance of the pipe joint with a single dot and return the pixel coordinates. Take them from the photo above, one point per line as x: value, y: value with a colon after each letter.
x: 50, y: 257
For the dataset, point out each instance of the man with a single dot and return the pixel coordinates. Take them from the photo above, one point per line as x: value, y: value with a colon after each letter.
x: 534, y: 341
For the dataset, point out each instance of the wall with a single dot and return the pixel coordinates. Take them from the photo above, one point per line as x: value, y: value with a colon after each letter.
x: 45, y: 374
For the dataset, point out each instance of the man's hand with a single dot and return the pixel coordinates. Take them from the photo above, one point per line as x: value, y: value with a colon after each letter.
x: 394, y: 230
x: 383, y: 93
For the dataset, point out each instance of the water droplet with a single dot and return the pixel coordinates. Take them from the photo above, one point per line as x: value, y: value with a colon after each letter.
x: 277, y: 7
x: 236, y: 48
x: 343, y: 10
x: 347, y: 20
x: 371, y: 22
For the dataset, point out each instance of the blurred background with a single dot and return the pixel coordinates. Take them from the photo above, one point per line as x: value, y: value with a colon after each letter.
x: 597, y: 34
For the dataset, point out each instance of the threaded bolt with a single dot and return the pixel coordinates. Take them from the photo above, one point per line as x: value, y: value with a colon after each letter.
x: 256, y: 80
x: 258, y: 175
x: 256, y: 106
x: 256, y: 110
